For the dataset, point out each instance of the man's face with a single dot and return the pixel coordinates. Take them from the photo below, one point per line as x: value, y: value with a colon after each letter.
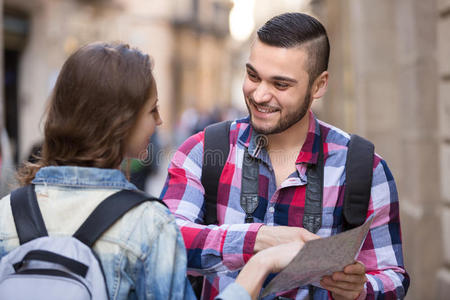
x: 276, y: 88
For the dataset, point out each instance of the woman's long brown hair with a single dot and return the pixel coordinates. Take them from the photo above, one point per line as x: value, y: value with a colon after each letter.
x: 97, y: 97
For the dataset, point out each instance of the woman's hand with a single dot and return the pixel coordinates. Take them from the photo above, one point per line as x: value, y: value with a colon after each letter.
x: 270, y: 260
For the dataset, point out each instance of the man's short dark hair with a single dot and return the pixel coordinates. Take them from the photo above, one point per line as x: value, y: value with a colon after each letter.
x: 299, y: 30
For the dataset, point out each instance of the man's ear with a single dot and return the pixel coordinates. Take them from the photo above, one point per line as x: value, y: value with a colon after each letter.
x: 320, y: 85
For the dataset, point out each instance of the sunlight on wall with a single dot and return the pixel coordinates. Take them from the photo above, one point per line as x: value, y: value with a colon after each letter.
x: 241, y: 19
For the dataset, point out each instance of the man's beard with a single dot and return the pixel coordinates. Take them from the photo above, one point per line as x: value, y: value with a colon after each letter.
x: 287, y: 121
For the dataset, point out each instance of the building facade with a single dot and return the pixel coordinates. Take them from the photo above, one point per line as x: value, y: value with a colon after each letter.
x: 186, y: 38
x: 390, y: 82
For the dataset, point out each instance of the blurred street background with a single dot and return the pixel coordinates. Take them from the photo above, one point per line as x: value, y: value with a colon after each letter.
x: 389, y: 82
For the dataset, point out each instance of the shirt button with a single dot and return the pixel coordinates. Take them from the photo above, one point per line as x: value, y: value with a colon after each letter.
x: 271, y: 209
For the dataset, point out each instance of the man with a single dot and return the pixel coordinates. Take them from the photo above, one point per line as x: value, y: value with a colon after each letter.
x: 286, y: 71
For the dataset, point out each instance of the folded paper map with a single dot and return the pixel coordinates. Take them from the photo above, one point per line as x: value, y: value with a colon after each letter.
x: 318, y: 258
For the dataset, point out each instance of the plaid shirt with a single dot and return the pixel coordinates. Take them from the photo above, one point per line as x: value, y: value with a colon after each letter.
x: 220, y: 251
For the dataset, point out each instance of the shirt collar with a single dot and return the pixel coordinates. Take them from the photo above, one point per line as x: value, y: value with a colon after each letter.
x: 246, y: 136
x: 310, y: 149
x: 82, y: 177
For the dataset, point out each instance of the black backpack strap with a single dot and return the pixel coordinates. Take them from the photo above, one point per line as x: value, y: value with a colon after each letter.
x: 312, y: 216
x: 108, y: 212
x: 359, y: 172
x: 27, y: 215
x: 249, y: 186
x: 215, y: 154
x: 73, y: 265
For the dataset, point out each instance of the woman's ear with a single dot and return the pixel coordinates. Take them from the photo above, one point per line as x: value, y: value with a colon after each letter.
x: 320, y: 85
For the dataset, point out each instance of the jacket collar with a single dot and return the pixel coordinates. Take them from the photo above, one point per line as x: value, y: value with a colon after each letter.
x: 82, y: 177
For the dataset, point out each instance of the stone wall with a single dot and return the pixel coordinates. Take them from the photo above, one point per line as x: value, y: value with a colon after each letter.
x: 443, y: 49
x: 57, y: 28
x: 420, y: 179
x: 2, y: 120
x: 390, y: 82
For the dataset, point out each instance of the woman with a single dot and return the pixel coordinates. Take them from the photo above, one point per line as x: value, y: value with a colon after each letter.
x: 104, y: 108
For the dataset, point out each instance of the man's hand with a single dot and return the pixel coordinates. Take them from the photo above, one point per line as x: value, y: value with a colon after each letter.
x: 347, y: 284
x: 269, y: 236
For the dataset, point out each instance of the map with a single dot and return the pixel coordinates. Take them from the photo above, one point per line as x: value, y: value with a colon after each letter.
x: 318, y: 258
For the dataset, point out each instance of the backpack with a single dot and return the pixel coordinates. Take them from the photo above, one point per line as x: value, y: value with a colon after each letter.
x: 359, y: 164
x: 59, y: 267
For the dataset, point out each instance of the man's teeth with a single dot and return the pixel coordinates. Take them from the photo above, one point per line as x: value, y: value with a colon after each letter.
x: 264, y: 109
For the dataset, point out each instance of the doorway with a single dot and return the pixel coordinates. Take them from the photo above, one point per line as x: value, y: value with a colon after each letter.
x: 15, y: 34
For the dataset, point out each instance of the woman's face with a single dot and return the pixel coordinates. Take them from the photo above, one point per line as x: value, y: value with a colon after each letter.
x: 147, y: 120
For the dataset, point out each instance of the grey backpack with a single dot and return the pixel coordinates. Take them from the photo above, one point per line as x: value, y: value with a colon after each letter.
x: 59, y: 267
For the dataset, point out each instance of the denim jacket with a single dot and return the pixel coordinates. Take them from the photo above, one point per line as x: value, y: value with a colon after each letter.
x: 143, y: 254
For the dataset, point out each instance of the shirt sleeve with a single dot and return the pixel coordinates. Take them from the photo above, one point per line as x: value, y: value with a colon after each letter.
x: 166, y: 261
x: 382, y: 250
x: 210, y: 248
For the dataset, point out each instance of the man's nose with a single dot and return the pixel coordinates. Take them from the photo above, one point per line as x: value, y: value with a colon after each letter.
x: 262, y: 93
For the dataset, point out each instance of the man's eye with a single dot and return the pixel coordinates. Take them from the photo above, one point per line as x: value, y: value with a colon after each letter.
x: 281, y: 85
x: 252, y: 76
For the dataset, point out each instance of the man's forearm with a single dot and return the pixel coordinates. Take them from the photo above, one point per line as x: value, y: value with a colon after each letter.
x: 218, y: 248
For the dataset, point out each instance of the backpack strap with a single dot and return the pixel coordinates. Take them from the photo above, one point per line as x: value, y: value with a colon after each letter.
x: 359, y: 173
x: 249, y: 186
x: 359, y: 165
x: 312, y: 216
x: 43, y: 255
x: 27, y: 215
x: 108, y: 212
x: 215, y: 153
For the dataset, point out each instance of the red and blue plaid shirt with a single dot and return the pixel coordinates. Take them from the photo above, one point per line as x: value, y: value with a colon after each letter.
x: 220, y: 251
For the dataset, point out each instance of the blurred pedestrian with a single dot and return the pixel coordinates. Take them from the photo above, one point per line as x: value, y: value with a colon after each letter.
x: 143, y: 167
x: 7, y: 169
